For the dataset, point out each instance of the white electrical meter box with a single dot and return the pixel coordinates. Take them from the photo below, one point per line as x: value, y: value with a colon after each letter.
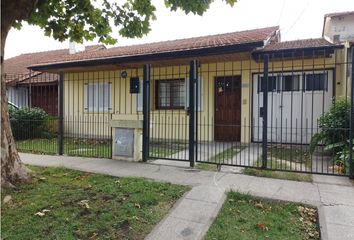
x: 127, y: 139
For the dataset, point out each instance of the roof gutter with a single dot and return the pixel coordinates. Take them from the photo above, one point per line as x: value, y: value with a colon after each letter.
x: 150, y: 57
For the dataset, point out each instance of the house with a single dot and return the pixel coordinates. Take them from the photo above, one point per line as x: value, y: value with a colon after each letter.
x: 104, y: 87
x: 339, y: 28
x: 36, y: 89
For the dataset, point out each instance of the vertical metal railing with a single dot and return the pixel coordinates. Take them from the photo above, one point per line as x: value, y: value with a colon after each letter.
x: 265, y: 111
x: 146, y: 111
x: 351, y: 134
x: 61, y: 115
x: 193, y: 78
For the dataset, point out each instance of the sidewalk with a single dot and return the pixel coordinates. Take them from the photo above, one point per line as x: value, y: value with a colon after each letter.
x: 193, y: 214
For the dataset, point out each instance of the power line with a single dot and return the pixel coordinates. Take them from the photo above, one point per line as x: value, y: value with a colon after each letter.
x: 281, y: 12
x: 298, y: 18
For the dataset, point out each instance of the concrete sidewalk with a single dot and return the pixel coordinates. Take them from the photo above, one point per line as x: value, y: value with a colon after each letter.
x: 192, y: 215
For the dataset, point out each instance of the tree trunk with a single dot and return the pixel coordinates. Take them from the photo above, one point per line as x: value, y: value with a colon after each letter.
x: 12, y: 169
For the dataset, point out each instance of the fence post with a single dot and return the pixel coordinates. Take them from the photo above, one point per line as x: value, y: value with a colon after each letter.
x: 265, y: 110
x: 351, y: 134
x: 146, y: 111
x: 61, y: 115
x: 193, y: 78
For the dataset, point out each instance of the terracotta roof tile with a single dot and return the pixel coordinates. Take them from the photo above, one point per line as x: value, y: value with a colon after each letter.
x: 16, y: 68
x: 180, y: 45
x: 296, y: 44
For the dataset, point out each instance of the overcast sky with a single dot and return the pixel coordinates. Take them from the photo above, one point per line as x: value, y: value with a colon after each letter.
x: 297, y: 19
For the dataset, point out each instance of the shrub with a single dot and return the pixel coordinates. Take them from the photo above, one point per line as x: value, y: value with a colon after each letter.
x: 334, y: 133
x: 51, y: 126
x: 27, y: 123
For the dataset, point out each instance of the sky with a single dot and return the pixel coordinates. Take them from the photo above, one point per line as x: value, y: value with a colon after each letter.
x: 298, y: 19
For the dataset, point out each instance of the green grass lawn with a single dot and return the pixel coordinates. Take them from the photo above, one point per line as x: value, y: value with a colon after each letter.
x: 304, y: 177
x: 246, y: 217
x: 206, y: 166
x: 72, y: 147
x: 226, y: 155
x: 66, y: 204
x: 160, y: 148
x: 292, y: 154
x: 92, y: 147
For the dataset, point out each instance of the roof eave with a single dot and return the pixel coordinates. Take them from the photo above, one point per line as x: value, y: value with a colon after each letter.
x: 258, y: 54
x: 151, y: 57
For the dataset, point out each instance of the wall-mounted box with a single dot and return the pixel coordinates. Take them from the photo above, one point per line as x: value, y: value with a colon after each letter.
x: 127, y: 139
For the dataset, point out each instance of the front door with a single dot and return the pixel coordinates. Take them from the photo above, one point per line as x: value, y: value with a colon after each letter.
x: 228, y: 108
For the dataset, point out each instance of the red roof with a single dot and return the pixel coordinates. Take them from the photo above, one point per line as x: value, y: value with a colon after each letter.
x: 181, y: 45
x: 16, y: 68
x: 297, y: 44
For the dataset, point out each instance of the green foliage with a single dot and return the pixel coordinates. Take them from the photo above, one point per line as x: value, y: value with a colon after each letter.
x: 196, y: 6
x: 334, y: 133
x: 334, y: 125
x: 28, y: 123
x: 80, y: 20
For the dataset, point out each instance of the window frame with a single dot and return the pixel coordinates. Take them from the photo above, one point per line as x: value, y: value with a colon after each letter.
x: 325, y: 81
x: 97, y: 109
x: 157, y: 94
x: 292, y: 74
x: 259, y: 83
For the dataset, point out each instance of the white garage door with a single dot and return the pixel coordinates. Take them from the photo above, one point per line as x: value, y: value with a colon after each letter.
x: 296, y: 100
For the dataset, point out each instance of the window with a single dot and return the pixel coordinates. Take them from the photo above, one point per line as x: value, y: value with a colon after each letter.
x: 290, y: 83
x: 272, y: 84
x: 170, y: 94
x: 316, y: 82
x: 98, y: 97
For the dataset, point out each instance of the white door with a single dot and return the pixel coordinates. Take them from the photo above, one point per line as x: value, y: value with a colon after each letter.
x: 296, y: 100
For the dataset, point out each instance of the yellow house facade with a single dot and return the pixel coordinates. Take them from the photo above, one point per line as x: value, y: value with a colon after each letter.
x: 305, y: 76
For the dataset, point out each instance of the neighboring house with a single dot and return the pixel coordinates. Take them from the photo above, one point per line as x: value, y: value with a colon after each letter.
x: 35, y: 89
x: 339, y: 28
x: 304, y: 76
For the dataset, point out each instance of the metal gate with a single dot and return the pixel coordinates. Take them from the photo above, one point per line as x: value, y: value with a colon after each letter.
x: 170, y: 121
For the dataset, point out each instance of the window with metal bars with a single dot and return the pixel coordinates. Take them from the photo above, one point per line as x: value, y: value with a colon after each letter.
x: 291, y: 83
x: 272, y: 83
x: 170, y: 94
x: 316, y: 82
x: 98, y: 97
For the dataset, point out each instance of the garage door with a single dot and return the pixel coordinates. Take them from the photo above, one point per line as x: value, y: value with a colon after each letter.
x: 296, y: 100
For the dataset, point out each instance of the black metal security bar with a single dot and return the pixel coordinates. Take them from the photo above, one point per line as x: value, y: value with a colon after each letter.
x: 193, y: 118
x: 351, y: 161
x: 264, y: 112
x: 146, y: 111
x: 61, y: 115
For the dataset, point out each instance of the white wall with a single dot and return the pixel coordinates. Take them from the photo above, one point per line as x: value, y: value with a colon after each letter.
x: 342, y: 26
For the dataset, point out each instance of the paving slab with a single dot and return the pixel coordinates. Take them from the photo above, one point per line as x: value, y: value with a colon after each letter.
x: 339, y: 232
x: 176, y: 229
x: 333, y: 180
x: 194, y: 213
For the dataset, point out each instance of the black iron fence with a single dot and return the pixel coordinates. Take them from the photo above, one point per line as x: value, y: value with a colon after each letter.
x: 287, y: 112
